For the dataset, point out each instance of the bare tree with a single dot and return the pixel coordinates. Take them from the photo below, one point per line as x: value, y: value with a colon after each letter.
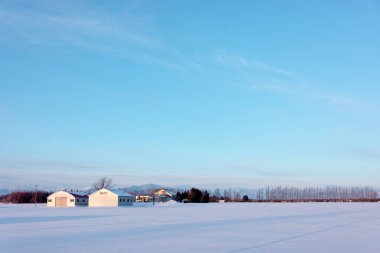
x: 217, y: 193
x: 103, y: 182
x: 236, y: 196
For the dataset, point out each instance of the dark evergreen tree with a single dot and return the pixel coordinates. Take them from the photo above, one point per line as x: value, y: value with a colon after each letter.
x: 178, y: 197
x: 195, y: 195
x: 205, y: 197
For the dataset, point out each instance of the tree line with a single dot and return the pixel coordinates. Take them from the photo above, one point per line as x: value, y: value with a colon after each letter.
x: 194, y: 195
x: 23, y: 197
x: 295, y: 194
x: 281, y: 194
x: 328, y: 193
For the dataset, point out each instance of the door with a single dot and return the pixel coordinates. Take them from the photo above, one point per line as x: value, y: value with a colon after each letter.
x: 60, y: 201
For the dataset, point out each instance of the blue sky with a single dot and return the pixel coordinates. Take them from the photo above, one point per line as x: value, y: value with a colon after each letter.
x: 205, y: 93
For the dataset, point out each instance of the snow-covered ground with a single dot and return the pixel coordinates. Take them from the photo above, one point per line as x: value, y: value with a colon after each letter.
x: 229, y: 227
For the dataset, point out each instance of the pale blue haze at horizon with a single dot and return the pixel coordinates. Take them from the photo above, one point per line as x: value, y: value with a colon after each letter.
x: 211, y: 93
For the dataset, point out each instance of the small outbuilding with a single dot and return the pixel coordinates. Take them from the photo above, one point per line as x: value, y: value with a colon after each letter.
x: 143, y: 198
x: 162, y: 195
x: 110, y: 197
x: 67, y: 199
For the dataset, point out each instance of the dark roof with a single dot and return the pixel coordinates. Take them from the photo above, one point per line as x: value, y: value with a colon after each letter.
x: 79, y: 195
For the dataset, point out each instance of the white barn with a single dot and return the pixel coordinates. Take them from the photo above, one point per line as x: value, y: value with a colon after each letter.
x: 105, y: 197
x: 67, y: 199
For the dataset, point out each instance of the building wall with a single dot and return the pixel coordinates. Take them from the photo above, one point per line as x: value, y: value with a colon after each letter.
x: 70, y: 201
x: 103, y: 198
x: 126, y: 201
x: 81, y: 201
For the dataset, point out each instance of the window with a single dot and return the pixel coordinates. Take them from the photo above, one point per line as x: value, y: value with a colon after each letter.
x: 119, y: 200
x: 83, y: 200
x: 77, y: 200
x: 50, y: 200
x: 71, y: 200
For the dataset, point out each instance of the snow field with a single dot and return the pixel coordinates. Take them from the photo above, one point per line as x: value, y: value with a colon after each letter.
x: 174, y: 227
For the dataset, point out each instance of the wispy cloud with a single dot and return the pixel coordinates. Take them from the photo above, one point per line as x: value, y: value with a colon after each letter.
x: 264, y: 77
x: 311, y: 93
x: 243, y: 63
x: 273, y: 88
x: 118, y: 34
x: 66, y: 27
x: 346, y: 101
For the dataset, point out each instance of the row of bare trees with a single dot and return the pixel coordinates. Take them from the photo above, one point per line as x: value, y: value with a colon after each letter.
x: 228, y: 195
x: 294, y: 194
x: 328, y: 193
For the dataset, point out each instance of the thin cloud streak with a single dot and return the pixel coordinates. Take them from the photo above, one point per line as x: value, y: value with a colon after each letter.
x: 240, y: 62
x: 311, y: 94
x: 121, y: 35
x: 271, y: 83
x: 68, y: 26
x: 352, y: 102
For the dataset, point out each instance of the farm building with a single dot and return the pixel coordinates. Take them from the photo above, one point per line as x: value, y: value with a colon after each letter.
x: 105, y: 197
x: 67, y: 199
x: 162, y: 195
x: 143, y: 198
